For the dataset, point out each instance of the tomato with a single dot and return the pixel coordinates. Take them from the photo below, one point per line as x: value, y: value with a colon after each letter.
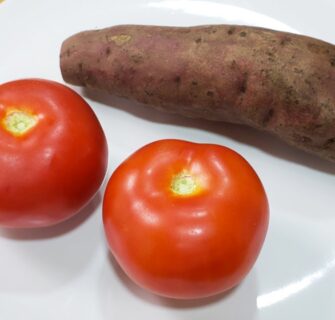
x: 185, y: 220
x: 53, y: 153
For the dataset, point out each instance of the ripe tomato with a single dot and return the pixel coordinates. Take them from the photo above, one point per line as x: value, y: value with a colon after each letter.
x: 53, y: 153
x: 185, y: 220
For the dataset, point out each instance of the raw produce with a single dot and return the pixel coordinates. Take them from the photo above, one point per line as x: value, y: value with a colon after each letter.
x: 185, y: 220
x: 274, y: 81
x: 53, y: 153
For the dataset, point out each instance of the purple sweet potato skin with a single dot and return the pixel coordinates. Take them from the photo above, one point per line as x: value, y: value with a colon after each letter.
x: 278, y: 82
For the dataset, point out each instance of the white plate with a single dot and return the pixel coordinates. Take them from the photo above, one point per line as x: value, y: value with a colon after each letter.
x: 65, y: 272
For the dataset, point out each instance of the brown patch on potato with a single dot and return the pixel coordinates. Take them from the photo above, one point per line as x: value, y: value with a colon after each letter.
x: 297, y: 70
x: 270, y: 56
x: 268, y: 116
x: 320, y: 48
x: 305, y: 139
x: 244, y: 83
x: 148, y: 93
x: 284, y: 40
x: 233, y: 64
x: 332, y: 62
x: 243, y: 34
x: 231, y: 30
x: 108, y: 51
x: 313, y: 47
x: 177, y: 79
x: 210, y: 30
x: 137, y: 58
x: 328, y: 144
x: 301, y: 139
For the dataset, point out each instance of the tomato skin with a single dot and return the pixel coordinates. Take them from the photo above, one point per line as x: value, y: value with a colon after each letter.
x: 51, y: 171
x: 189, y: 246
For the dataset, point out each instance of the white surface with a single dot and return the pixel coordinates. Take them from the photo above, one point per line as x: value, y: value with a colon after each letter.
x: 65, y: 272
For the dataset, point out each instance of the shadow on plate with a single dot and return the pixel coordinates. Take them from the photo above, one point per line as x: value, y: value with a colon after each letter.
x: 40, y: 261
x: 55, y: 230
x: 261, y: 140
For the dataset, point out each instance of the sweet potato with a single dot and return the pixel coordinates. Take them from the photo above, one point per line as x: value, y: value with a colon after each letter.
x: 278, y: 82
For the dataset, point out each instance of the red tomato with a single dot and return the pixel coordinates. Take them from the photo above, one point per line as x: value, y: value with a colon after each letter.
x: 185, y: 220
x: 53, y: 153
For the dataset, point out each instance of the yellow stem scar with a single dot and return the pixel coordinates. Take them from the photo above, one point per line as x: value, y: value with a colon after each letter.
x: 184, y: 184
x: 18, y: 122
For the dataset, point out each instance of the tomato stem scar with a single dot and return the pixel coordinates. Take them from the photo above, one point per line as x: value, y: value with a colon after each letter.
x: 18, y: 122
x: 184, y: 184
